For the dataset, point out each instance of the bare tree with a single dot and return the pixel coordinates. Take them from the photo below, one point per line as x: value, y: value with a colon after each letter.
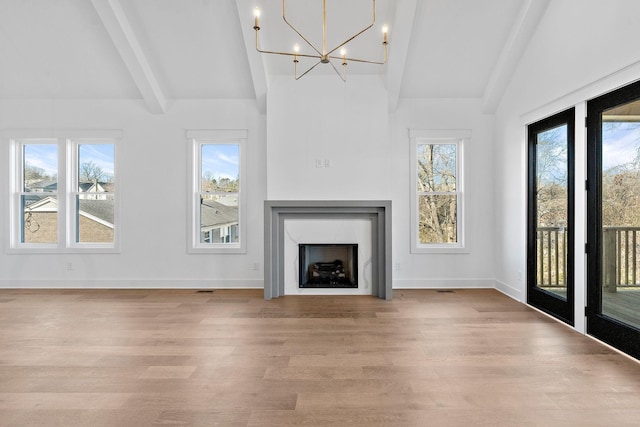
x: 89, y: 171
x: 34, y: 173
x: 551, y: 178
x: 212, y: 184
x: 621, y: 182
x: 437, y: 174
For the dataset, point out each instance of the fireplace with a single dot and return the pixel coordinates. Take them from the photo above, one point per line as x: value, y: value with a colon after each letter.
x: 328, y: 265
x: 281, y: 265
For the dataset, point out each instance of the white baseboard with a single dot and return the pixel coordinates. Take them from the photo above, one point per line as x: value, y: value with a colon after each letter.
x: 132, y: 284
x: 243, y: 284
x: 444, y: 284
x: 509, y: 291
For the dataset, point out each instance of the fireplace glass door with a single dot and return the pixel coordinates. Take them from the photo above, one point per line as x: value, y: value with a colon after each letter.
x: 328, y: 266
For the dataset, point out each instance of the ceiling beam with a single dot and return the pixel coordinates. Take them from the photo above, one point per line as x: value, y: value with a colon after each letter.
x: 400, y: 36
x: 522, y: 31
x: 256, y: 61
x: 123, y: 36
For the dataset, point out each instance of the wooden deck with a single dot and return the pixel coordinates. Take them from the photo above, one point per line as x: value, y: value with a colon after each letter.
x: 623, y: 305
x: 230, y: 358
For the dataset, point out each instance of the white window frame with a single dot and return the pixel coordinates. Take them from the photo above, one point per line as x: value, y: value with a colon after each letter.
x: 196, y: 139
x: 459, y: 138
x: 73, y: 147
x: 65, y: 140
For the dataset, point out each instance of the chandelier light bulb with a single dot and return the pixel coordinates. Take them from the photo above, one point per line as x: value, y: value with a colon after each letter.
x: 256, y: 14
x: 296, y: 48
x: 343, y: 52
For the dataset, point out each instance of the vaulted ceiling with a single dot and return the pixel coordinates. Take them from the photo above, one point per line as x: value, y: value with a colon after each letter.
x: 157, y: 50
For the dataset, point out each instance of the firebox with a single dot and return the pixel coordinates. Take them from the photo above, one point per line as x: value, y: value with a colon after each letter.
x: 328, y: 265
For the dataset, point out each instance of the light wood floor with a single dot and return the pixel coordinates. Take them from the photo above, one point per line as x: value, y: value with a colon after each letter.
x: 229, y: 358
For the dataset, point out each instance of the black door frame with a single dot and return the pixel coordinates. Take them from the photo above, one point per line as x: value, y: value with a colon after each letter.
x: 562, y: 309
x: 611, y: 331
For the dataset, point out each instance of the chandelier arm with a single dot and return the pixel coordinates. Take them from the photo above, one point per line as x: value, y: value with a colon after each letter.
x: 344, y: 78
x: 303, y: 74
x: 366, y: 61
x: 300, y: 55
x: 373, y: 21
x: 284, y: 17
x: 303, y: 55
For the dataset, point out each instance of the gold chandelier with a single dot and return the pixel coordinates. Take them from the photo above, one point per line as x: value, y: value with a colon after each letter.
x: 324, y: 56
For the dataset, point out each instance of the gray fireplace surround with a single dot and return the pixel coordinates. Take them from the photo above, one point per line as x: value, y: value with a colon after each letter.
x: 277, y: 211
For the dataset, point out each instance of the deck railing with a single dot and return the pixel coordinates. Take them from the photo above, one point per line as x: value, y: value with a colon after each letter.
x: 620, y: 251
x: 620, y: 257
x: 552, y: 255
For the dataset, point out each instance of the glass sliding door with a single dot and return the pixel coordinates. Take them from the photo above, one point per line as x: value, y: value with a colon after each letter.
x: 613, y: 311
x: 550, y: 246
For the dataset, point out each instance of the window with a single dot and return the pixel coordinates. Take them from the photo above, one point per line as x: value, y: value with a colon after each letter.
x: 217, y: 208
x: 63, y: 194
x: 437, y: 196
x: 93, y: 184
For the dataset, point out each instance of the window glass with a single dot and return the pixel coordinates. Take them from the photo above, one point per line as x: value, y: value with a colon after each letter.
x: 219, y: 193
x: 40, y: 168
x: 94, y: 204
x: 39, y: 201
x: 437, y: 176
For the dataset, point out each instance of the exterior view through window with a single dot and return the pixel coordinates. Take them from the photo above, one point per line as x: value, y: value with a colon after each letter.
x: 437, y: 193
x: 219, y: 193
x: 95, y: 190
x: 552, y: 210
x: 39, y: 193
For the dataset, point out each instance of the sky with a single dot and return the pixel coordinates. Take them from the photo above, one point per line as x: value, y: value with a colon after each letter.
x: 102, y: 155
x: 45, y: 156
x: 222, y: 160
x: 620, y: 143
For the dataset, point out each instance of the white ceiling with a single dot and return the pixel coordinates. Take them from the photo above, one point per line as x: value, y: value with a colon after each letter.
x: 169, y: 49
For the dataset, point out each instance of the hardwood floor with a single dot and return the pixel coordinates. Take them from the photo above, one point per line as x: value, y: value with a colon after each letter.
x: 229, y: 358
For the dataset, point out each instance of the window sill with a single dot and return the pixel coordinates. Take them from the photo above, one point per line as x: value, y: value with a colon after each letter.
x: 59, y: 251
x: 439, y: 250
x: 221, y: 250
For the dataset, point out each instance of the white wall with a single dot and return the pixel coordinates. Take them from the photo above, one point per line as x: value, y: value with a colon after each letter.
x: 321, y: 118
x: 582, y: 48
x: 152, y: 186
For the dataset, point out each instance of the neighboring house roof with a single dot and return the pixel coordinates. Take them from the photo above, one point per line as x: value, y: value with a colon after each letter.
x: 101, y: 211
x: 44, y: 185
x: 41, y: 203
x: 216, y: 214
x: 91, y: 186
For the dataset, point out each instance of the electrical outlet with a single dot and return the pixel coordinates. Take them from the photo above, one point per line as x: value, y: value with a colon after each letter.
x: 69, y: 266
x: 327, y: 163
x: 318, y: 163
x: 397, y: 266
x: 255, y: 266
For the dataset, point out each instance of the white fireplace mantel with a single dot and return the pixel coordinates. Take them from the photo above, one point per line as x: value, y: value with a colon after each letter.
x: 277, y: 211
